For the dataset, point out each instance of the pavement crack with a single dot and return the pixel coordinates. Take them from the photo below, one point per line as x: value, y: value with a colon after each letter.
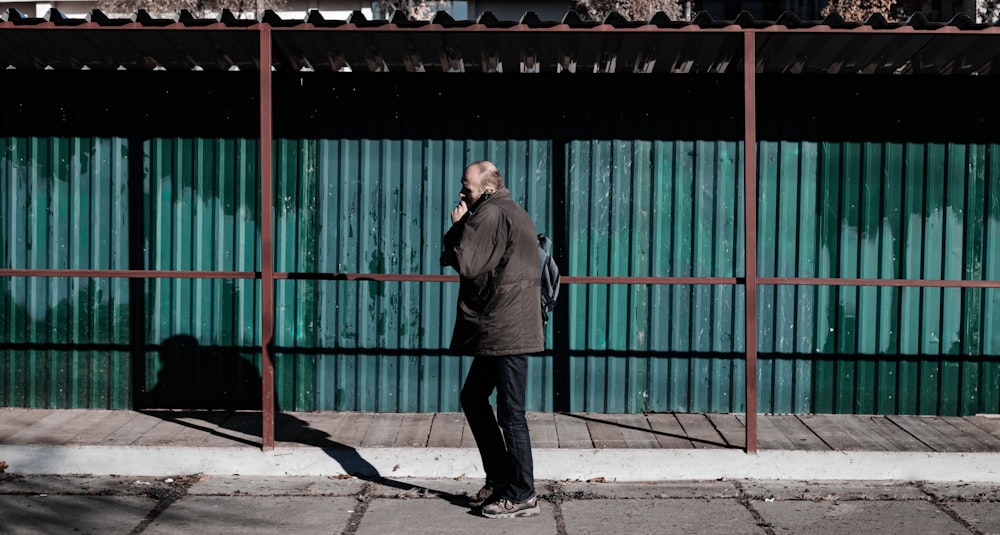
x: 364, y: 497
x: 556, y: 497
x: 558, y: 514
x: 943, y: 506
x: 744, y: 500
x: 164, y: 499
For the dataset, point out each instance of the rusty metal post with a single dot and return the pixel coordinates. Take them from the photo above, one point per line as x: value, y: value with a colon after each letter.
x: 750, y: 229
x: 266, y: 245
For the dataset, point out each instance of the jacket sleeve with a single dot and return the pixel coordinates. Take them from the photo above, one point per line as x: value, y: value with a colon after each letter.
x: 481, y: 244
x: 450, y: 241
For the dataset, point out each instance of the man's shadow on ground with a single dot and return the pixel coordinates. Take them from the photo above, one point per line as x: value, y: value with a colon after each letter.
x: 223, y: 389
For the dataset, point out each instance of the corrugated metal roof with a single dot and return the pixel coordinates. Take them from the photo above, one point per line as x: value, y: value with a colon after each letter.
x: 615, y: 45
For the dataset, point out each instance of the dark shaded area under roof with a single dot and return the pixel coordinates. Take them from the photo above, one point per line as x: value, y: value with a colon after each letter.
x: 393, y: 106
x: 529, y: 45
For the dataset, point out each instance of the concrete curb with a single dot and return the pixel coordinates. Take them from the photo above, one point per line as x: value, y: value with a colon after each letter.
x: 550, y: 464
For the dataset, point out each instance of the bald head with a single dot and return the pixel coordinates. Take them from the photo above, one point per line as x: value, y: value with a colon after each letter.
x: 479, y: 178
x: 489, y: 175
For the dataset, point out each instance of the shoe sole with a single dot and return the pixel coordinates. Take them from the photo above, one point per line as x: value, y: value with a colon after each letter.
x: 515, y: 514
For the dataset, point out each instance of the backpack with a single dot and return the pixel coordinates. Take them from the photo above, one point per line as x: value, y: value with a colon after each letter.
x: 550, y: 277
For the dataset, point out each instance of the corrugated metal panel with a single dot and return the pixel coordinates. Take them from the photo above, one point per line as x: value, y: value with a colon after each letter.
x: 201, y: 213
x: 67, y: 204
x: 886, y: 210
x: 67, y: 336
x: 904, y: 208
x: 785, y: 315
x: 639, y: 208
x: 634, y: 208
x: 381, y: 206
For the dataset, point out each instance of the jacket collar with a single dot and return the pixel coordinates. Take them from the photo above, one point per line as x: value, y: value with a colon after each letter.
x: 501, y: 193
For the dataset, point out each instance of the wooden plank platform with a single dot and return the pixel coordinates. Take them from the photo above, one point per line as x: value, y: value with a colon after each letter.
x: 414, y: 431
x: 635, y: 430
x: 700, y: 430
x: 572, y: 431
x: 815, y: 432
x: 542, y: 427
x: 732, y: 429
x: 668, y: 431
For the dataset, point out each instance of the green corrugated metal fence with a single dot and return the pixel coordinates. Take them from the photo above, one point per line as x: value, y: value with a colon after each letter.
x: 381, y: 206
x: 655, y: 209
x: 632, y: 208
x: 60, y: 204
x: 201, y: 213
x: 888, y: 211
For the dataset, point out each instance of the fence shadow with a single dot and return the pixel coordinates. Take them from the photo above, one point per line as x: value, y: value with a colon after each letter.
x: 713, y: 443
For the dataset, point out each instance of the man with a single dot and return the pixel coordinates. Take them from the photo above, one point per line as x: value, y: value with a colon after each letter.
x: 493, y: 245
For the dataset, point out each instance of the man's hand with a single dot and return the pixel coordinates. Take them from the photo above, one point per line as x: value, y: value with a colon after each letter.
x: 459, y: 212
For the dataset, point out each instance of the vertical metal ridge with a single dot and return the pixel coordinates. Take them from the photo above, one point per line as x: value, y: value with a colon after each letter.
x: 79, y: 221
x: 991, y: 271
x: 11, y: 200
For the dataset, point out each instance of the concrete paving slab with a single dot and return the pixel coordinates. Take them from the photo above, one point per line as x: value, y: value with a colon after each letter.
x: 275, y: 486
x: 558, y: 490
x: 646, y: 516
x: 243, y: 504
x: 832, y: 490
x: 983, y: 516
x: 254, y: 515
x: 671, y: 489
x: 434, y: 516
x: 45, y: 515
x: 423, y: 487
x: 853, y: 517
x: 404, y: 488
x: 53, y: 485
x: 968, y: 492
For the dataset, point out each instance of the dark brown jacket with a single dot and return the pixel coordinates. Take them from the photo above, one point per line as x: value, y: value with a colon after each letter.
x: 494, y: 248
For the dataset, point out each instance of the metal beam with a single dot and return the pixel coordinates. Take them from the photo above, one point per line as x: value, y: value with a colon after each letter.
x: 750, y: 228
x: 266, y: 245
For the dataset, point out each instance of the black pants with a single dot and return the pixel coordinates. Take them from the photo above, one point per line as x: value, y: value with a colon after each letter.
x: 507, y: 455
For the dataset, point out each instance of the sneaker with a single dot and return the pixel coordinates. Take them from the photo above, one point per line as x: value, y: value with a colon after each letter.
x: 506, y: 508
x: 483, y: 496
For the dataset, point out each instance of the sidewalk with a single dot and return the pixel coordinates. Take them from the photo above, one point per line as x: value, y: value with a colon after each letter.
x: 566, y: 447
x: 157, y: 472
x: 264, y: 505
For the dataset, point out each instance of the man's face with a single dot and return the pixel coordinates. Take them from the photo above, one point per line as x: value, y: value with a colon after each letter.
x: 472, y: 187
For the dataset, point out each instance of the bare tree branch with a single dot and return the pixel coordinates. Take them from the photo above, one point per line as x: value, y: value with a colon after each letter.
x: 898, y: 10
x: 632, y: 9
x: 199, y: 8
x: 414, y: 9
x: 988, y: 11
